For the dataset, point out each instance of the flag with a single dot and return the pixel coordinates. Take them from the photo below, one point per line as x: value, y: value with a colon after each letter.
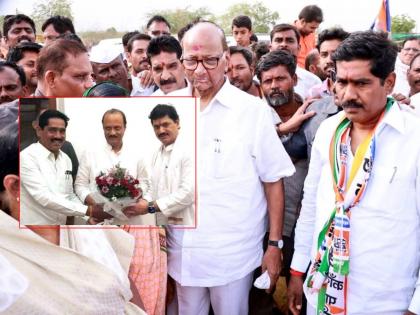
x: 383, y: 19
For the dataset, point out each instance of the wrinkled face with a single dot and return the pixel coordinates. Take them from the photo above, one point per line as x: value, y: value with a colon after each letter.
x: 360, y: 93
x: 326, y: 50
x: 287, y: 41
x: 20, y: 32
x: 75, y: 78
x: 138, y: 57
x: 240, y: 72
x: 28, y: 63
x: 242, y: 36
x: 308, y: 27
x: 114, y: 71
x: 413, y: 76
x: 10, y: 86
x: 167, y: 72
x: 52, y: 136
x: 166, y: 130
x: 114, y: 129
x: 50, y: 34
x: 277, y: 85
x: 158, y: 29
x: 203, y: 44
x: 410, y: 49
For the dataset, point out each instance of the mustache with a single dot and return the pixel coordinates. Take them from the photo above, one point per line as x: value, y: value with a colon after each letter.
x: 351, y: 104
x: 6, y: 99
x: 169, y: 81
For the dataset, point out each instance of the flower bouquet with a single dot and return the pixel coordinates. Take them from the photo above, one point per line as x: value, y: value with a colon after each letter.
x: 117, y: 190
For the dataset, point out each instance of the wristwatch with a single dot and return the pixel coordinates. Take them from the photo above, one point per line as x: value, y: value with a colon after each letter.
x: 278, y: 244
x: 151, y: 207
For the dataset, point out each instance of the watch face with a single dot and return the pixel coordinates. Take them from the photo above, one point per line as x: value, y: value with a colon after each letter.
x: 151, y: 209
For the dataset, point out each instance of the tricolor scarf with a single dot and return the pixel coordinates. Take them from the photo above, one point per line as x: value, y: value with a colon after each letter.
x: 328, y: 273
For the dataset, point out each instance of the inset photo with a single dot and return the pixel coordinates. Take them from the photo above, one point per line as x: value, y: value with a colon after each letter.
x: 108, y: 161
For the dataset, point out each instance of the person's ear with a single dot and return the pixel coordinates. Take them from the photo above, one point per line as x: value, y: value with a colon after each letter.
x: 50, y: 78
x: 11, y: 185
x: 389, y: 82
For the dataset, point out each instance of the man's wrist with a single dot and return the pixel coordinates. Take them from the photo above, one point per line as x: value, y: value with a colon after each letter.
x: 276, y: 243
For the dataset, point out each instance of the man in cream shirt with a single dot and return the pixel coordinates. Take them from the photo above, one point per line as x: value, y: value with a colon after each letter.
x: 172, y: 173
x: 105, y: 157
x: 47, y: 195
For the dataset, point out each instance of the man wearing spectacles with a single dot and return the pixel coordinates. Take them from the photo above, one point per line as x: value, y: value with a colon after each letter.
x: 410, y: 47
x: 242, y: 163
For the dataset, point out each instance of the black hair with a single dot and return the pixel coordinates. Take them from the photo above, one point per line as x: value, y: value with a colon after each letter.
x: 310, y: 58
x: 260, y: 49
x: 162, y: 110
x: 242, y: 21
x: 10, y: 20
x: 61, y: 24
x: 311, y: 13
x: 70, y: 36
x: 414, y: 58
x: 157, y: 18
x: 283, y: 27
x: 9, y: 151
x: 245, y: 52
x: 372, y: 46
x: 164, y: 43
x: 274, y: 59
x: 409, y: 39
x: 135, y: 37
x: 51, y: 113
x: 334, y: 33
x: 115, y: 111
x: 16, y: 68
x: 106, y: 88
x: 126, y: 37
x: 17, y: 53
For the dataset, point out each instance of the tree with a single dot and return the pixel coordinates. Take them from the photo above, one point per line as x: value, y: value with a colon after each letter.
x: 263, y: 19
x: 178, y: 18
x: 402, y: 24
x: 44, y: 9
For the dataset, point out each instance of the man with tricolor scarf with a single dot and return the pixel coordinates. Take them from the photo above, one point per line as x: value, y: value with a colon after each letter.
x: 359, y: 227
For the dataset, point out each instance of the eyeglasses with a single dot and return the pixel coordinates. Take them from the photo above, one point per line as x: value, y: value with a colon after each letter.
x: 414, y: 50
x: 208, y: 63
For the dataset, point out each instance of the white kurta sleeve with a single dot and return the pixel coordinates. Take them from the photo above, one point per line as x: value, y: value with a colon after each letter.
x: 82, y: 183
x: 33, y: 181
x: 183, y: 195
x: 143, y: 175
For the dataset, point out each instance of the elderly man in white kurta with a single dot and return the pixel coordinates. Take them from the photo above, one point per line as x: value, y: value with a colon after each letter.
x: 241, y: 165
x: 103, y: 158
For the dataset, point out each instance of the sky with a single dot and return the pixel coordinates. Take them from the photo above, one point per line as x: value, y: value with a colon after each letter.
x: 129, y: 15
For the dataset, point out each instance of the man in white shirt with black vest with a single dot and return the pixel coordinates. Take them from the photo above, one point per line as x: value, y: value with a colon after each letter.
x: 47, y: 196
x: 241, y: 165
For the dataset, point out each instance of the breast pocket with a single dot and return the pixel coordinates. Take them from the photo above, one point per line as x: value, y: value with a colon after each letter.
x: 387, y: 188
x: 232, y: 158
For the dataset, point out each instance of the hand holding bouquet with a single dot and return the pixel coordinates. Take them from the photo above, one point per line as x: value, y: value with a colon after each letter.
x: 118, y: 189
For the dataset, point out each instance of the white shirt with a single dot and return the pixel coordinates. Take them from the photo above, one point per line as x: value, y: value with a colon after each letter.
x: 385, y: 225
x: 401, y: 82
x: 306, y: 80
x: 173, y: 182
x: 415, y: 102
x: 46, y: 184
x: 103, y: 158
x: 138, y: 90
x: 238, y: 150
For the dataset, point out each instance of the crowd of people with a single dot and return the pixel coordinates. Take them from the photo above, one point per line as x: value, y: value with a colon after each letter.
x: 308, y: 167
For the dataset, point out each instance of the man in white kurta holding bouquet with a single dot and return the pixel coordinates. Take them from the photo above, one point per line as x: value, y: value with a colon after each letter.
x: 102, y: 159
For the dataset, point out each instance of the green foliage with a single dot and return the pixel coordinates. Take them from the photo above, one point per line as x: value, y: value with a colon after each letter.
x: 263, y: 19
x: 402, y: 24
x: 178, y: 18
x: 43, y: 9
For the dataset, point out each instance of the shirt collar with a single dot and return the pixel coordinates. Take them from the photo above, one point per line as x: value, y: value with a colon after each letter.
x: 109, y: 149
x: 168, y: 148
x: 44, y: 152
x: 224, y: 95
x: 394, y: 118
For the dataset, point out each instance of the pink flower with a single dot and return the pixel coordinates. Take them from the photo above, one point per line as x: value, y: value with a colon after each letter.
x: 105, y: 189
